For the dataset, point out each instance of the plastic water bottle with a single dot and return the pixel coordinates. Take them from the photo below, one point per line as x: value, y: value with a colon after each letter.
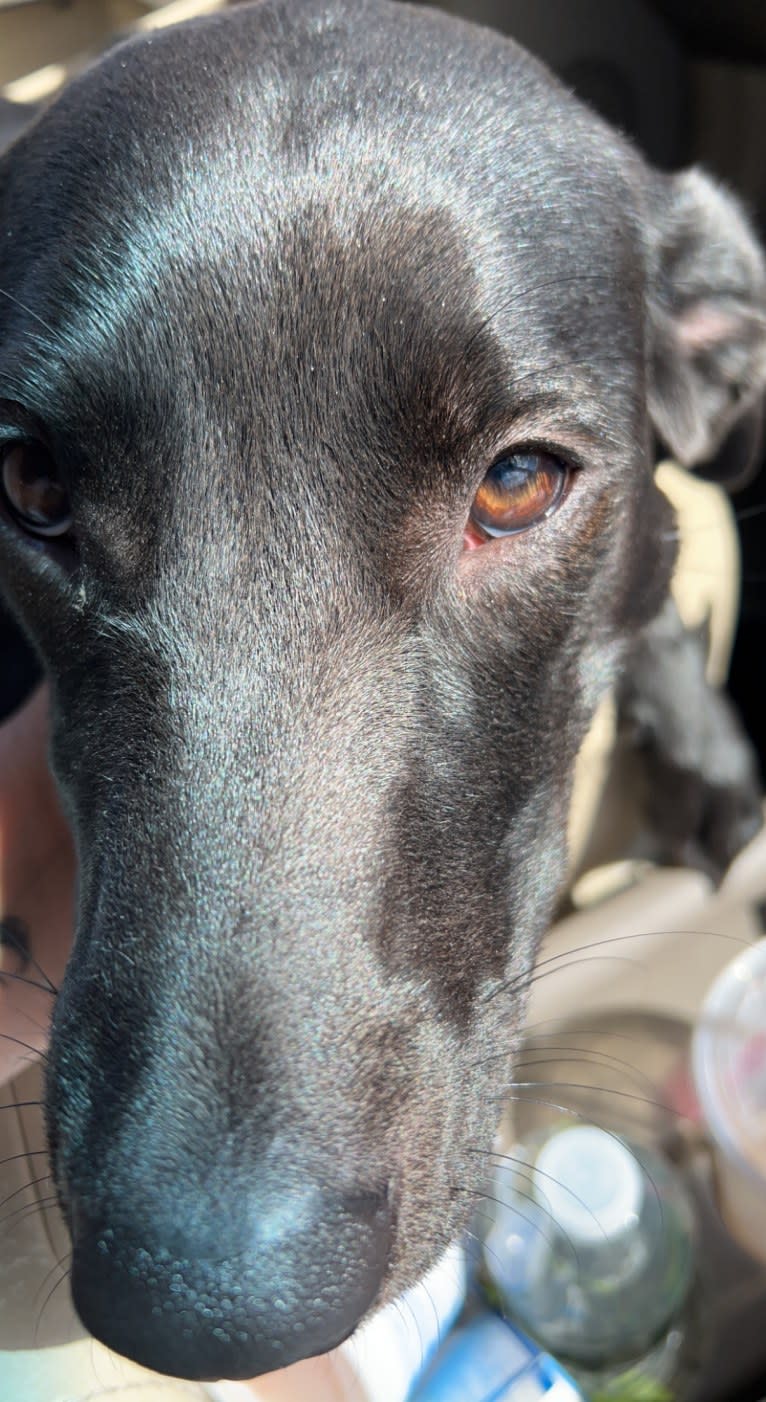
x: 488, y: 1360
x: 588, y: 1243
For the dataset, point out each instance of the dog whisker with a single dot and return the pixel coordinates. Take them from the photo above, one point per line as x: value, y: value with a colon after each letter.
x: 587, y: 1095
x: 30, y: 1209
x: 24, y: 1188
x: 490, y: 1198
x: 527, y: 1175
x: 586, y: 1056
x: 14, y: 936
x: 530, y: 1176
x: 36, y: 1055
x: 480, y: 1244
x: 24, y: 1154
x: 565, y: 958
x: 602, y: 1090
x: 6, y: 975
x: 570, y: 1111
x: 57, y: 1265
x: 56, y: 1284
x: 523, y: 982
x: 424, y: 1288
x: 532, y: 1030
x: 403, y: 1304
x: 42, y: 1027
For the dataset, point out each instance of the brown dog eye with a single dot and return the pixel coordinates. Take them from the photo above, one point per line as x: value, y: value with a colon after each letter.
x: 33, y: 491
x: 517, y: 492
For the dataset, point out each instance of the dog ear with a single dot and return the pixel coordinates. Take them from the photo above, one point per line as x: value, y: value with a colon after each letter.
x: 707, y: 325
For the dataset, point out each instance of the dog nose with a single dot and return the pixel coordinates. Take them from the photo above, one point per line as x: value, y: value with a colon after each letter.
x: 234, y: 1293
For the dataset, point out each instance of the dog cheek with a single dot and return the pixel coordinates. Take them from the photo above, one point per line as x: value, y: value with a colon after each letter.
x: 444, y: 1139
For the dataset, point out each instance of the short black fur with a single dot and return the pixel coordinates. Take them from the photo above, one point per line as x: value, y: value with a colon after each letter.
x: 276, y: 289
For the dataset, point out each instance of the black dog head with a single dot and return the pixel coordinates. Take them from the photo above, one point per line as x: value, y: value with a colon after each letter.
x: 333, y: 337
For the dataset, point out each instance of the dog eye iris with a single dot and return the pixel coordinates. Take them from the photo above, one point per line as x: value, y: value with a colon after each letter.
x: 33, y: 492
x: 517, y: 492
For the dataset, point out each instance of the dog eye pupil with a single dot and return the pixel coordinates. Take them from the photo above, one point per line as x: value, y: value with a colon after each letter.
x: 518, y: 491
x: 32, y: 490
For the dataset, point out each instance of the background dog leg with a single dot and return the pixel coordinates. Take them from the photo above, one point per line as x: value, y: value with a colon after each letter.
x: 704, y: 790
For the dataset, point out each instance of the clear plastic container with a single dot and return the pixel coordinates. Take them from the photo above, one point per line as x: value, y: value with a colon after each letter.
x: 588, y: 1243
x: 729, y: 1063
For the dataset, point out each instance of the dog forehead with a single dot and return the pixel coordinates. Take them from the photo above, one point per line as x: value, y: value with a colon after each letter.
x: 276, y: 208
x: 231, y: 120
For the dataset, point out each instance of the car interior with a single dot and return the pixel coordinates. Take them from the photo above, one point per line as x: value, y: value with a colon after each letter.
x: 628, y: 964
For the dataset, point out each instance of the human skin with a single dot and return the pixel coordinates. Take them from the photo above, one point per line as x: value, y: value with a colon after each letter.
x: 37, y: 885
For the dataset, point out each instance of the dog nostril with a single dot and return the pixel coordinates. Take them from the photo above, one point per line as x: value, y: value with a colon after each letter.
x: 257, y: 1291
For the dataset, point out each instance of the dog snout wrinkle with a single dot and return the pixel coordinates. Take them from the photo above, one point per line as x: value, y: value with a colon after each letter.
x: 307, y: 1266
